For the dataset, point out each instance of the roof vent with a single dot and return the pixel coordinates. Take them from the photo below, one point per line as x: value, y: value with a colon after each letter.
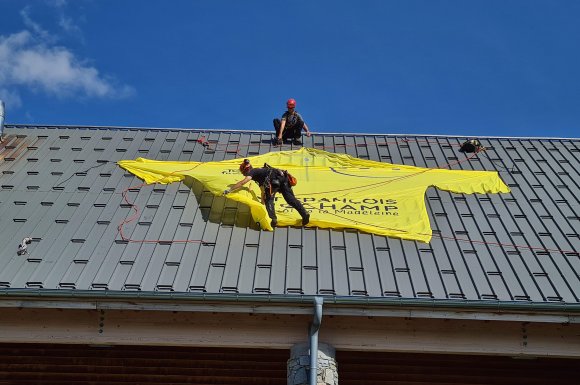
x: 1, y: 119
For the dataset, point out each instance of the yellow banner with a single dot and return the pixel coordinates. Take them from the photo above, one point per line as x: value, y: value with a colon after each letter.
x: 338, y: 190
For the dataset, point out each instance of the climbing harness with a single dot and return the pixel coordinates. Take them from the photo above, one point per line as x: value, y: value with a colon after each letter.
x: 272, y: 179
x: 275, y: 176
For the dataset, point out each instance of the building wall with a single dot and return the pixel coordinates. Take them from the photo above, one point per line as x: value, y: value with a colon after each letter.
x: 378, y: 368
x: 282, y: 331
x: 42, y: 364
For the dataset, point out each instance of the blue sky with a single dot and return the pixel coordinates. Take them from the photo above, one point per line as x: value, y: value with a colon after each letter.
x: 509, y: 68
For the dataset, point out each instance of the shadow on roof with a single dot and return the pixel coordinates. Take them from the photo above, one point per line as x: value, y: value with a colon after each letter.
x: 220, y: 210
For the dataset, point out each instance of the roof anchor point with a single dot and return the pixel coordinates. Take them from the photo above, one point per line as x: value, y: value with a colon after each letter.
x: 23, y: 246
x: 471, y: 146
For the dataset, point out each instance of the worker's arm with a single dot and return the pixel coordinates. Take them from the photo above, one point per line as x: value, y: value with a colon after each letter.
x: 238, y: 185
x: 282, y: 125
x: 306, y: 129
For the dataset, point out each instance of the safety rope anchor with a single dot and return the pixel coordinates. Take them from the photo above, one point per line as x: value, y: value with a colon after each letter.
x: 471, y: 146
x: 23, y: 246
x: 203, y: 141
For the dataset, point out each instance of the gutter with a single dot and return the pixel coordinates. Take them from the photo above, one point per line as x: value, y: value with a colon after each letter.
x: 284, y: 299
x: 314, y: 328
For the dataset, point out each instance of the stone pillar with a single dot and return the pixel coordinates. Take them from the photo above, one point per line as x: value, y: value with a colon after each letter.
x: 299, y: 365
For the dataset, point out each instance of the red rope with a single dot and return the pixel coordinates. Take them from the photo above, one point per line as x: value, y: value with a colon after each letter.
x: 206, y: 144
x: 500, y: 244
x: 371, y: 185
x: 137, y: 213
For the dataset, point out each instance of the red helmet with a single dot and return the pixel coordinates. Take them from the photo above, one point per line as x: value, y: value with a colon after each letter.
x: 291, y: 103
x: 245, y: 166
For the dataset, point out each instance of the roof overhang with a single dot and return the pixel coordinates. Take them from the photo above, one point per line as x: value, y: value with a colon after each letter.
x: 292, y: 304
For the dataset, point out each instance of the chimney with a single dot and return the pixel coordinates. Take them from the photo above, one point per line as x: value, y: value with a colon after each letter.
x: 1, y: 119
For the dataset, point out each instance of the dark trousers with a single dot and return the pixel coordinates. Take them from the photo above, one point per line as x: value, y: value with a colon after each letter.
x: 294, y: 132
x: 286, y: 191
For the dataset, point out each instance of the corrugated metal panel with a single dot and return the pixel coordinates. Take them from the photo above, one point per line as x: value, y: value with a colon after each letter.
x: 61, y: 186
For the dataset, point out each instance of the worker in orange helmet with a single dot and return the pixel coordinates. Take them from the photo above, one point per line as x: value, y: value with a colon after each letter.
x: 271, y: 180
x: 290, y: 126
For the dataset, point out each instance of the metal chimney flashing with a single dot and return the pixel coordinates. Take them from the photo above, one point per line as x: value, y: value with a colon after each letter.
x: 1, y: 119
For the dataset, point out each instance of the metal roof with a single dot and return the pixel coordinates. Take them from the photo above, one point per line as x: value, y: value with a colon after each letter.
x: 61, y: 186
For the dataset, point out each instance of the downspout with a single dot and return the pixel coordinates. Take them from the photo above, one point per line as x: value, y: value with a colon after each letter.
x: 1, y: 120
x: 314, y: 328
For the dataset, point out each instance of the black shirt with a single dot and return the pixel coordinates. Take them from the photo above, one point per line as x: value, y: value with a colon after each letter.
x: 259, y: 174
x: 293, y: 119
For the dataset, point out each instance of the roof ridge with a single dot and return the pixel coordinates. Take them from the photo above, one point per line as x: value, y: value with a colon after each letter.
x: 223, y: 130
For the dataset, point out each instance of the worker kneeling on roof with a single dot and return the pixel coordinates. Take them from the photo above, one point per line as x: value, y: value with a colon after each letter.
x: 291, y: 125
x: 271, y: 180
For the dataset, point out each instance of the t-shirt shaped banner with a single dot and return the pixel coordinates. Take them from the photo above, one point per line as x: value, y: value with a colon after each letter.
x: 338, y: 190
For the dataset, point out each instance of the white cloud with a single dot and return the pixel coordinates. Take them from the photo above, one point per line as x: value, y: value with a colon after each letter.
x: 10, y: 98
x: 57, y: 3
x: 33, y: 61
x: 35, y: 27
x: 67, y: 24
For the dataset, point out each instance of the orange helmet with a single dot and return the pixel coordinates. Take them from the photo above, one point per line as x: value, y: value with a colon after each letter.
x: 245, y: 166
x: 291, y: 103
